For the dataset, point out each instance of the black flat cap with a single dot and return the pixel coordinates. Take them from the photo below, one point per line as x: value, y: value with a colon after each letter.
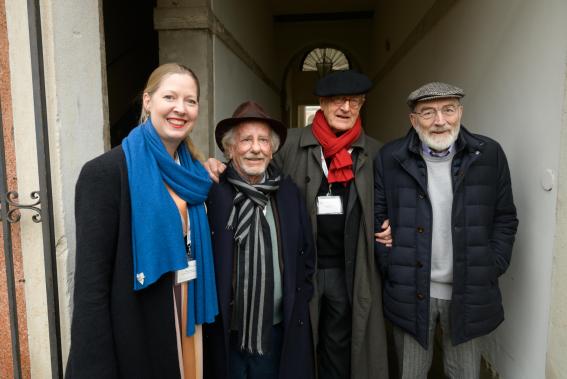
x: 245, y: 112
x: 340, y: 83
x: 434, y: 90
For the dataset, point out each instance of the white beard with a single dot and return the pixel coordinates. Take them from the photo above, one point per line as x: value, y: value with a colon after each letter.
x: 438, y: 142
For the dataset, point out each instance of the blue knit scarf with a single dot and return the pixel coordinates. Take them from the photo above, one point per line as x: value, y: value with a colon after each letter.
x: 158, y: 245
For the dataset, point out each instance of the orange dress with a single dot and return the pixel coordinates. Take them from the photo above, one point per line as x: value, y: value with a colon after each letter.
x: 190, y: 349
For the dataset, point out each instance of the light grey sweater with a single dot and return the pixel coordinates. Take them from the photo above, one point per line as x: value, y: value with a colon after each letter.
x: 440, y: 190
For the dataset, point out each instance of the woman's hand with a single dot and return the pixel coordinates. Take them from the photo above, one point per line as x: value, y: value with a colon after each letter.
x: 214, y: 167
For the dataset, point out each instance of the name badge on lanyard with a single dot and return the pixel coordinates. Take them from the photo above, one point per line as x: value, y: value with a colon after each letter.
x: 329, y: 204
x: 190, y: 272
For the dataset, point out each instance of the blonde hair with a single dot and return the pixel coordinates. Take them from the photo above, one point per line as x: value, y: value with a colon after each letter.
x: 152, y: 85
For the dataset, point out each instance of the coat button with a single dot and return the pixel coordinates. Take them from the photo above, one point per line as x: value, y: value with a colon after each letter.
x: 419, y: 296
x: 302, y: 252
x: 307, y: 179
x: 298, y: 289
x: 420, y: 229
x: 419, y: 264
x: 299, y: 322
x: 212, y: 232
x: 421, y: 196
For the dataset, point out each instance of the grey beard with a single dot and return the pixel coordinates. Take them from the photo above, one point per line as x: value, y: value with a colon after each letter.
x: 438, y: 143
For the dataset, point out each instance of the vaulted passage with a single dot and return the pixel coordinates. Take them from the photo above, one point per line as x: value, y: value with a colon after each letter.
x: 509, y: 57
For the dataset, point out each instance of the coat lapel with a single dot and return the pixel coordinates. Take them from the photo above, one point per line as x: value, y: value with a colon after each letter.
x: 286, y: 237
x: 472, y: 148
x: 219, y: 206
x: 409, y: 164
x: 314, y: 170
x: 360, y: 162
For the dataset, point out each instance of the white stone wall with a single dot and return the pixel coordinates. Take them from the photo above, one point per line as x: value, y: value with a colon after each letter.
x: 510, y: 57
x: 393, y: 23
x: 557, y: 348
x: 236, y: 83
x: 250, y: 22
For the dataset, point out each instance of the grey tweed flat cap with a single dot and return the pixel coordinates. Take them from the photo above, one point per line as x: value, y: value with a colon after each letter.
x: 434, y: 90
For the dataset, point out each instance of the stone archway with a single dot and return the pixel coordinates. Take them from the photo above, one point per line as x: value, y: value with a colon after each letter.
x: 298, y: 85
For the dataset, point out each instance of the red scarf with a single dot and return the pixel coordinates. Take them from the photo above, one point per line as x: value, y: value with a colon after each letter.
x: 336, y: 148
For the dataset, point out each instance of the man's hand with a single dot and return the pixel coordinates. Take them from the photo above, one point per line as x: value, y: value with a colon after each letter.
x: 385, y: 236
x: 214, y: 167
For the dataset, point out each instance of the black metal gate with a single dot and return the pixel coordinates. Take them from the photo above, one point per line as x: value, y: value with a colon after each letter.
x: 41, y: 206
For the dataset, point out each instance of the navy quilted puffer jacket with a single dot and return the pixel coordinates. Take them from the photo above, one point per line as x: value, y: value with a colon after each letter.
x: 483, y: 224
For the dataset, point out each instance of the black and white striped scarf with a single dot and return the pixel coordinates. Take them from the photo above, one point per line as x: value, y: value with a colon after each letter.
x: 254, y: 295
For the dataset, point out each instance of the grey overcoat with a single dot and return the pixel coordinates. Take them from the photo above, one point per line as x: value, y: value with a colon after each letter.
x: 300, y: 158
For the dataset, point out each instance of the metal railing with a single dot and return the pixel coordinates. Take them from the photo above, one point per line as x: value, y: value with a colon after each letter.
x: 44, y: 172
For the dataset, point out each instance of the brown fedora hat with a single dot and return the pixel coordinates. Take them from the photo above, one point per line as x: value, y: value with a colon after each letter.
x: 249, y: 111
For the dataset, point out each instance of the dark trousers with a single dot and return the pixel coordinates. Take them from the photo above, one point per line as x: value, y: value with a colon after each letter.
x: 335, y: 323
x: 244, y: 365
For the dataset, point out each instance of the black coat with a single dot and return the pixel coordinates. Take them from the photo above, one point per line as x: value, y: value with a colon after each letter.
x: 300, y: 158
x: 483, y: 226
x: 296, y: 246
x: 115, y: 332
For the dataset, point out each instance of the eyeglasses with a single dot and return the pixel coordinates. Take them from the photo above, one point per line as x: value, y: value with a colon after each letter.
x: 247, y: 142
x: 354, y: 102
x: 429, y: 113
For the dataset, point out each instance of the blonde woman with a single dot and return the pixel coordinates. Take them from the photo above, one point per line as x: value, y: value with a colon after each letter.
x: 144, y: 280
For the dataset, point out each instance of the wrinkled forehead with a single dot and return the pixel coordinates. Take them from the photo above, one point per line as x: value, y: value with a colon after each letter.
x: 254, y: 127
x: 437, y: 103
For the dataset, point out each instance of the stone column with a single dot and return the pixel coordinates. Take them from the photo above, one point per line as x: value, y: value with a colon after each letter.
x: 185, y: 36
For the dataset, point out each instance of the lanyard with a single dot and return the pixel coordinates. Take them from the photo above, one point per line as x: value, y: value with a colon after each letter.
x: 324, y: 162
x: 188, y: 235
x: 326, y: 169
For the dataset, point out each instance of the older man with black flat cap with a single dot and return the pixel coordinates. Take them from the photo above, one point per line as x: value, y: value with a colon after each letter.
x: 263, y: 255
x: 448, y: 197
x: 331, y: 162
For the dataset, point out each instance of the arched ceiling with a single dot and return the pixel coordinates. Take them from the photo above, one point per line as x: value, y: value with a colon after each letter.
x: 292, y: 7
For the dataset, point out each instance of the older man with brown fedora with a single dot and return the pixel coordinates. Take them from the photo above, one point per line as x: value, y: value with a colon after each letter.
x: 263, y: 254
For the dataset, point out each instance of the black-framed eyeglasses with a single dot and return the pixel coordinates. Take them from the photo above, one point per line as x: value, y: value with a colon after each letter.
x: 354, y: 101
x: 429, y: 113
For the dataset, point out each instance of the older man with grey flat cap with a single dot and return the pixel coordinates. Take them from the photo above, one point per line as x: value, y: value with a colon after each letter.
x: 447, y: 196
x: 331, y: 162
